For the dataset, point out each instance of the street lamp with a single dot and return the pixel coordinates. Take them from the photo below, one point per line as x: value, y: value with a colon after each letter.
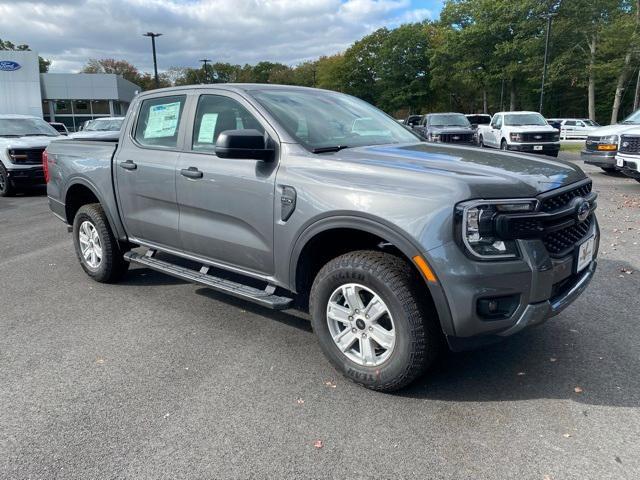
x: 548, y: 16
x: 153, y: 47
x: 204, y: 67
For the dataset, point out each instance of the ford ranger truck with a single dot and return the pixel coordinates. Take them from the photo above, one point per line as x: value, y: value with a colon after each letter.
x: 521, y: 132
x: 279, y: 195
x: 23, y: 138
x: 628, y: 157
x: 601, y: 146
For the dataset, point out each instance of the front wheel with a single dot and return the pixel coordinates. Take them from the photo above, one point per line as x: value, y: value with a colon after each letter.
x: 368, y: 312
x: 6, y: 187
x: 96, y: 247
x: 503, y: 145
x: 481, y: 141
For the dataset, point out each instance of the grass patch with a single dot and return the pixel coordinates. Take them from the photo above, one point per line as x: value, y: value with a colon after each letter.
x: 571, y: 147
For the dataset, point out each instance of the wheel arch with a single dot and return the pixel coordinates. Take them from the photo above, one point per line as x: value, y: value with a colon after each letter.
x: 368, y: 229
x: 81, y: 191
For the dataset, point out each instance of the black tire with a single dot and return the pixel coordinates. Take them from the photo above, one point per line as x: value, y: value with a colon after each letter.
x: 112, y: 265
x: 503, y: 145
x: 481, y: 141
x: 608, y: 169
x: 6, y: 187
x: 418, y: 338
x: 554, y: 154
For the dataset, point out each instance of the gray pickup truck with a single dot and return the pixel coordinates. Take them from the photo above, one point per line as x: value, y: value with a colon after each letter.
x: 296, y: 197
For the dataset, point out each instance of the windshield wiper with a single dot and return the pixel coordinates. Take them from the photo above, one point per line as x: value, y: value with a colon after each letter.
x: 37, y: 135
x: 335, y: 148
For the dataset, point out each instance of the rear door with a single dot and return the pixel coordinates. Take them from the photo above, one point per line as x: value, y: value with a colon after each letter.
x: 145, y: 168
x: 495, y: 132
x: 226, y: 205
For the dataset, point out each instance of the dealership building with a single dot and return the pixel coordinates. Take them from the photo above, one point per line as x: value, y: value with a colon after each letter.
x: 69, y: 98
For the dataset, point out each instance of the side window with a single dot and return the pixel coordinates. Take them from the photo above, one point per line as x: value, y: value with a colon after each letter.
x: 214, y: 115
x: 158, y: 121
x: 570, y: 123
x: 497, y: 122
x: 580, y: 124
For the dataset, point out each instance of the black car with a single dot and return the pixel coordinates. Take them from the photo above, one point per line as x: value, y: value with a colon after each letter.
x: 412, y: 121
x: 446, y: 128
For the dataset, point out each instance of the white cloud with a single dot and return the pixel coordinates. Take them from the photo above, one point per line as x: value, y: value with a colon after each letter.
x: 238, y: 31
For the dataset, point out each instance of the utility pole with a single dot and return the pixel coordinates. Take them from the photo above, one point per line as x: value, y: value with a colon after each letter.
x: 204, y: 67
x: 549, y: 15
x: 502, y: 96
x: 153, y: 47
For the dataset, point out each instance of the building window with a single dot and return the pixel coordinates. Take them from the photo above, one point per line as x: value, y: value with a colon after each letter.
x: 45, y: 107
x: 62, y: 107
x: 100, y: 107
x: 81, y: 107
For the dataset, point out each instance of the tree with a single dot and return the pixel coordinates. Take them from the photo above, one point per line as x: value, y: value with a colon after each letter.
x: 330, y: 72
x: 110, y: 65
x: 43, y: 63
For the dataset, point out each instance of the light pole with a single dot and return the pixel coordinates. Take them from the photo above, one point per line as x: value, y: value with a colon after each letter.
x: 204, y: 67
x: 548, y: 16
x: 153, y: 47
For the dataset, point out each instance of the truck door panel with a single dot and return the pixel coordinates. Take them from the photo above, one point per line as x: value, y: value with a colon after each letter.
x: 227, y: 213
x: 145, y: 172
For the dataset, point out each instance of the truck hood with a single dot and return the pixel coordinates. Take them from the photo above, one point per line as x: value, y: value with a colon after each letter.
x: 490, y: 174
x: 26, y: 142
x: 532, y: 128
x: 616, y: 129
x: 452, y: 130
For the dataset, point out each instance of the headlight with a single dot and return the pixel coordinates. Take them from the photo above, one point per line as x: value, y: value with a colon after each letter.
x: 477, y: 226
x: 435, y: 137
x: 556, y: 137
x: 609, y: 139
x: 516, y: 137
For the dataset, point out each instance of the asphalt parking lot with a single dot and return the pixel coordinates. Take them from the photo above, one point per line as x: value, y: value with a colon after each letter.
x: 156, y: 378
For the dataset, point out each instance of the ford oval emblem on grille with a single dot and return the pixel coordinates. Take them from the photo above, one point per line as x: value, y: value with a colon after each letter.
x: 583, y: 209
x: 537, y: 137
x: 456, y: 137
x: 625, y: 144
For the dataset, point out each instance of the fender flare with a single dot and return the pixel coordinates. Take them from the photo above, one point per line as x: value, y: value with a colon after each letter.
x: 379, y: 227
x: 118, y: 232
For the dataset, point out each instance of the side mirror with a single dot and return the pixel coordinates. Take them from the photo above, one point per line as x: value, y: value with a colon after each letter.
x: 247, y: 144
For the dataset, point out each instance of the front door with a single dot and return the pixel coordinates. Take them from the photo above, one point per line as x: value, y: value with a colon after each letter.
x: 145, y: 171
x: 226, y: 205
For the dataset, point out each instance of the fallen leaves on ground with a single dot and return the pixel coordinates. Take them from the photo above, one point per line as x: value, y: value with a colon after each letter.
x: 330, y: 384
x: 578, y: 389
x: 318, y: 444
x: 300, y: 401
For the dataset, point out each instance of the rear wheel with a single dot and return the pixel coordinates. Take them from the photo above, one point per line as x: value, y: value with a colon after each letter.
x: 96, y: 247
x: 6, y: 187
x: 371, y: 322
x: 481, y: 141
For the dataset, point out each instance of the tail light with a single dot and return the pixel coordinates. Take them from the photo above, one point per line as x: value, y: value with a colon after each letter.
x: 45, y: 165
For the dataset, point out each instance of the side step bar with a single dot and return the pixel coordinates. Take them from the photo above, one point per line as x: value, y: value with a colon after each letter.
x: 265, y: 297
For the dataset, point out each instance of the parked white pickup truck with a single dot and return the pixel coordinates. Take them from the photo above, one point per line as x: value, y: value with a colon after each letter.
x: 22, y: 140
x: 520, y: 131
x: 628, y: 157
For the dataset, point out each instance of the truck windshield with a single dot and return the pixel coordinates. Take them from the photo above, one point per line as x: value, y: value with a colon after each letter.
x: 110, y: 125
x: 26, y: 127
x: 326, y: 121
x: 633, y: 119
x: 518, y: 119
x: 449, y: 120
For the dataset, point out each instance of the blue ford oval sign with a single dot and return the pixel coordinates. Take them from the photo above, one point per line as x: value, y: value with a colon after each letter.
x: 9, y: 66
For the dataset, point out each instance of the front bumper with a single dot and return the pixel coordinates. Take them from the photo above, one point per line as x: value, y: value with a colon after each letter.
x: 26, y: 175
x: 547, y: 148
x: 602, y: 159
x: 630, y: 165
x: 543, y: 286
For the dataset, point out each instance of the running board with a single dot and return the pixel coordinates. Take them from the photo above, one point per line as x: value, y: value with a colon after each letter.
x: 265, y: 297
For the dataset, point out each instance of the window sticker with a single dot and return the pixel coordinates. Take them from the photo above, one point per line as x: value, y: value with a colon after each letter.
x: 163, y: 120
x: 207, y: 127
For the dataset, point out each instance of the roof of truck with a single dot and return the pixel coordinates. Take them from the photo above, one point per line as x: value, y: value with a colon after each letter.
x: 9, y: 116
x: 244, y: 87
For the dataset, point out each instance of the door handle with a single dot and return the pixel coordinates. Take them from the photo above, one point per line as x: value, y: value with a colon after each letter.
x: 128, y: 165
x: 191, y: 172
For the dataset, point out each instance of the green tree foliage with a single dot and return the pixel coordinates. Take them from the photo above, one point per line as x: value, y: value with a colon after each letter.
x: 43, y: 63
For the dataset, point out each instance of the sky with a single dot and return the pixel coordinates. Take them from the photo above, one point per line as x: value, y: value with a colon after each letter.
x: 238, y: 31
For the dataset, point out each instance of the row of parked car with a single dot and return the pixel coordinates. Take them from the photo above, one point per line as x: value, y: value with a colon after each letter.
x: 612, y: 148
x: 23, y: 138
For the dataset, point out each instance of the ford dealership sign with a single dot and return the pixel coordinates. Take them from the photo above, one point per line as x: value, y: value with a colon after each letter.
x: 9, y: 66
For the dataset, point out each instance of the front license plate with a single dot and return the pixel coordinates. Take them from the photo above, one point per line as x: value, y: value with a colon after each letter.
x: 537, y: 147
x: 619, y: 162
x: 585, y: 253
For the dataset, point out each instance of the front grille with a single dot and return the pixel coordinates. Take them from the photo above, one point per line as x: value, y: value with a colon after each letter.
x: 563, y: 241
x: 629, y: 144
x: 538, y: 137
x: 563, y: 199
x: 456, y: 137
x: 26, y: 156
